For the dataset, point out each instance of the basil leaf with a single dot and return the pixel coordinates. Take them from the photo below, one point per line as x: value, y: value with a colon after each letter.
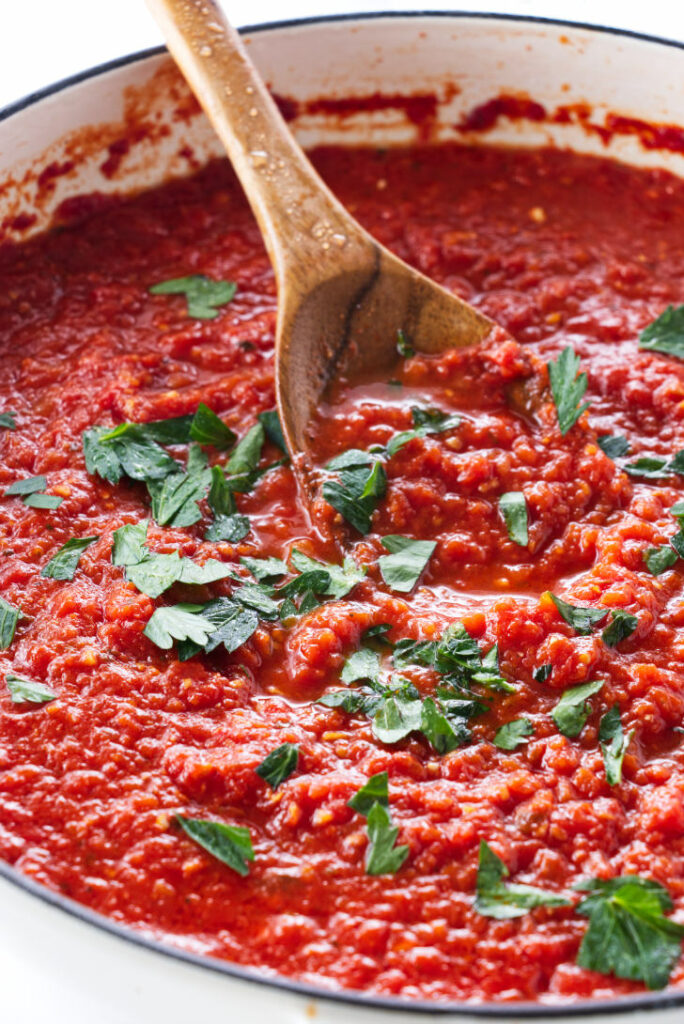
x: 265, y: 568
x: 247, y: 452
x: 614, y: 446
x: 178, y: 622
x: 7, y: 420
x: 628, y: 934
x: 48, y: 501
x: 25, y: 691
x: 382, y: 856
x: 343, y: 578
x: 273, y: 429
x: 220, y: 497
x: 64, y: 563
x: 437, y: 728
x: 622, y: 625
x: 581, y: 619
x: 677, y: 542
x: 659, y: 559
x: 375, y: 791
x: 402, y: 568
x: 29, y: 485
x: 207, y: 428
x: 9, y: 617
x: 279, y: 764
x: 404, y: 349
x: 665, y: 333
x: 613, y: 743
x: 542, y: 673
x: 572, y: 710
x: 513, y: 509
x: 362, y: 664
x: 129, y: 543
x: 567, y: 388
x: 351, y: 701
x: 101, y: 460
x: 230, y: 844
x: 650, y: 467
x: 512, y: 734
x: 503, y: 900
x: 204, y: 295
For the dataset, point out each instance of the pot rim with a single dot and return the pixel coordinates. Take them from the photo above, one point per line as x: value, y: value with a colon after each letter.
x: 519, y: 1011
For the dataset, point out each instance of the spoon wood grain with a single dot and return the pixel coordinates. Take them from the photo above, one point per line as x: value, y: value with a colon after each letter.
x: 342, y: 297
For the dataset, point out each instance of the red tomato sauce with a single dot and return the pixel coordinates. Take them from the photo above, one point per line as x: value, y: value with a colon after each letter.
x: 560, y: 250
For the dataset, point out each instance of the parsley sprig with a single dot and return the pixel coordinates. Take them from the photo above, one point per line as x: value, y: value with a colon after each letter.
x: 628, y: 933
x: 383, y: 856
x: 567, y: 387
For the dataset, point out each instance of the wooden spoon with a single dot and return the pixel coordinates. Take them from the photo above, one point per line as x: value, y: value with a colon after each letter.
x: 342, y: 297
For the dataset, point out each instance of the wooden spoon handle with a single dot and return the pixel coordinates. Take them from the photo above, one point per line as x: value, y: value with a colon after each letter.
x: 299, y: 217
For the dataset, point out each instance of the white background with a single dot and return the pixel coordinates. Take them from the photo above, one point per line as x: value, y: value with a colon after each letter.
x: 42, y: 41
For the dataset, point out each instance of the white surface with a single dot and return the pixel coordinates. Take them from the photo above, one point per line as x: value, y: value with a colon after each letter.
x: 44, y: 40
x: 52, y: 967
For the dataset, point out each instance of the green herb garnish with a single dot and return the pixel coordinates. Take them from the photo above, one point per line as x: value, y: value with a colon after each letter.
x: 279, y: 764
x: 9, y: 617
x: 665, y: 333
x: 207, y: 428
x: 204, y: 295
x: 613, y: 743
x: 383, y: 857
x: 628, y: 934
x: 541, y: 674
x: 502, y: 900
x: 581, y: 619
x: 46, y: 501
x: 376, y: 790
x: 402, y: 568
x: 513, y: 509
x: 230, y: 844
x: 512, y: 734
x: 653, y: 467
x: 572, y: 710
x: 25, y: 691
x: 7, y: 420
x: 659, y: 559
x: 29, y: 485
x: 567, y: 388
x: 614, y: 446
x: 64, y: 563
x: 622, y: 625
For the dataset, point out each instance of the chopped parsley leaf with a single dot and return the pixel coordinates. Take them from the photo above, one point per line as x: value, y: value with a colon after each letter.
x: 204, y: 296
x: 613, y: 743
x: 567, y: 388
x: 512, y: 734
x: 231, y: 844
x: 572, y: 710
x: 513, y: 509
x: 64, y: 563
x: 25, y: 691
x: 279, y: 764
x: 666, y: 333
x: 402, y: 568
x: 502, y: 900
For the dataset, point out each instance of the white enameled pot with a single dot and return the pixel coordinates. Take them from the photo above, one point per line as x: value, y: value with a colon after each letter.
x: 58, y: 961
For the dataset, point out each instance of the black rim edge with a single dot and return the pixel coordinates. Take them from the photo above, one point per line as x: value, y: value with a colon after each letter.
x: 649, y: 1001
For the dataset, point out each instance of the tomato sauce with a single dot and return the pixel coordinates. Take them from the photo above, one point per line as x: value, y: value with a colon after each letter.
x: 560, y: 250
